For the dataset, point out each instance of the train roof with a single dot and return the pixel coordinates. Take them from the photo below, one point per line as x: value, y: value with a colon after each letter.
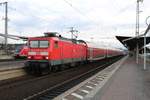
x: 102, y: 45
x: 57, y: 35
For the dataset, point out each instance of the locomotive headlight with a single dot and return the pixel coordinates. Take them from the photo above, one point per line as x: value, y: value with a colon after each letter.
x: 44, y: 53
x: 29, y: 57
x: 46, y: 57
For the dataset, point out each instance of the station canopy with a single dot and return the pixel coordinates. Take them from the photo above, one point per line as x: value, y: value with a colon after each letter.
x: 131, y: 42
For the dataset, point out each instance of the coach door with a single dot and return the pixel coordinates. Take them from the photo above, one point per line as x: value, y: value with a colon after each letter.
x: 61, y: 52
x: 91, y: 53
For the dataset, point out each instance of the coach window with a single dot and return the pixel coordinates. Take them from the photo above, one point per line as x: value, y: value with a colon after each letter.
x: 56, y: 44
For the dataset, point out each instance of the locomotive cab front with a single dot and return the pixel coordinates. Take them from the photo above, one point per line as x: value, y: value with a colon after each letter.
x: 38, y: 49
x: 38, y: 55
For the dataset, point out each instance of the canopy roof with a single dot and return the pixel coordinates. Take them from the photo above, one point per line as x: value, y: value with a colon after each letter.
x: 131, y: 42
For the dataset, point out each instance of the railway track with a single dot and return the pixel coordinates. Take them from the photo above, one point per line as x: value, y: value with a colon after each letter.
x: 52, y: 92
x: 25, y: 79
x: 33, y: 85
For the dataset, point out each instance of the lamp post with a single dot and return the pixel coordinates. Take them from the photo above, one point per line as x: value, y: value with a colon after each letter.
x: 6, y: 23
x: 144, y: 52
x: 137, y: 29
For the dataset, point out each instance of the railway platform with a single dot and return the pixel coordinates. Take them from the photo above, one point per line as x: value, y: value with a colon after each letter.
x: 11, y: 69
x: 9, y: 65
x: 5, y: 58
x: 128, y: 81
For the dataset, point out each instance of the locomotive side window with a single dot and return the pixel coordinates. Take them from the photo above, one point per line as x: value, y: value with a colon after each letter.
x: 34, y: 44
x: 43, y: 44
x: 56, y: 44
x: 39, y: 44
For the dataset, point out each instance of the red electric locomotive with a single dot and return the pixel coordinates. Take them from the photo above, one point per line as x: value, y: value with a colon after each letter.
x: 51, y: 51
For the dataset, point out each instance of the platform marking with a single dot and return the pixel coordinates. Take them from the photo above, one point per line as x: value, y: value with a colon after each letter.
x: 93, y: 83
x: 89, y: 86
x: 99, y: 78
x: 64, y: 99
x: 85, y: 91
x: 77, y: 95
x: 104, y: 75
x: 97, y: 81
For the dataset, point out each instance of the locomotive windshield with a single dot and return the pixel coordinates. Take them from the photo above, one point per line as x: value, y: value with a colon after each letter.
x: 18, y: 49
x: 39, y: 44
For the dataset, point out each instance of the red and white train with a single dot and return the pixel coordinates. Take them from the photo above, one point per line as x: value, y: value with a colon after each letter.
x: 50, y: 52
x: 21, y: 51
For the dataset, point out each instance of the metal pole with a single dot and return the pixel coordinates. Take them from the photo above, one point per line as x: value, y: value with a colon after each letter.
x: 6, y: 25
x: 137, y: 31
x: 71, y: 32
x: 145, y: 52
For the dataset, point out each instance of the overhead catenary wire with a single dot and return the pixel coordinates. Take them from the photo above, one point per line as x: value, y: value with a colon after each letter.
x: 76, y: 9
x: 29, y: 14
x: 123, y: 9
x: 80, y: 12
x: 69, y: 3
x: 99, y: 25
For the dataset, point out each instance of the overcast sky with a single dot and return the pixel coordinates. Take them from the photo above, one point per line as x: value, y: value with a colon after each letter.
x: 93, y: 18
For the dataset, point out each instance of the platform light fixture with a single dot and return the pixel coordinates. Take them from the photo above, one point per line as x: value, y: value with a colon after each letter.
x: 137, y: 28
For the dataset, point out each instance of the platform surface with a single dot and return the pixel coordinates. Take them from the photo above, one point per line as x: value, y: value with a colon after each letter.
x: 5, y: 57
x: 8, y: 65
x: 130, y: 82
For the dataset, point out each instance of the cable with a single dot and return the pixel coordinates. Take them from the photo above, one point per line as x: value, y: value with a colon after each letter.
x: 126, y: 7
x: 78, y: 11
x: 33, y: 15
